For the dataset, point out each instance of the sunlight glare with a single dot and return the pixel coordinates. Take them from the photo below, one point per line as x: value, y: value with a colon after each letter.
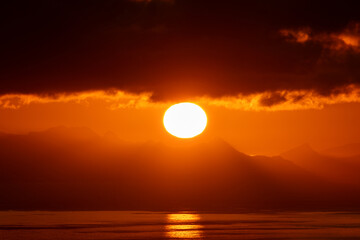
x: 185, y: 120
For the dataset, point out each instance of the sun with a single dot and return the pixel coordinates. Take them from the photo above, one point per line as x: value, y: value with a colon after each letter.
x: 185, y: 120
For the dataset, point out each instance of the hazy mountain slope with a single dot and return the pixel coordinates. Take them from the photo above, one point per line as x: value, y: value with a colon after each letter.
x: 335, y: 169
x: 75, y: 169
x: 348, y: 150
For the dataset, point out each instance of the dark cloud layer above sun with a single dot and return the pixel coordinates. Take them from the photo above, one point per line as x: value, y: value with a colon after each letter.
x: 177, y: 49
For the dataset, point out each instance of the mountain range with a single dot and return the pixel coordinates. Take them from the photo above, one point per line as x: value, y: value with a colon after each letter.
x: 75, y: 169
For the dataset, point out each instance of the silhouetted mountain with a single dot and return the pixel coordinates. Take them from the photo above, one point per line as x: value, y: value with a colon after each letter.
x: 65, y: 133
x: 66, y: 168
x: 335, y: 169
x: 301, y: 152
x: 348, y: 150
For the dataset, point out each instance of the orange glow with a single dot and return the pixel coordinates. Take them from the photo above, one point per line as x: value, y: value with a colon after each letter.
x: 179, y: 119
x: 243, y: 121
x: 115, y: 100
x: 185, y: 120
x: 183, y: 225
x: 347, y: 39
x: 182, y: 217
x: 350, y: 40
x: 300, y: 36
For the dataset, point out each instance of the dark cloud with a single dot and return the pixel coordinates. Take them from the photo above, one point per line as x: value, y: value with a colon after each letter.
x: 174, y: 48
x: 347, y: 39
x: 272, y: 99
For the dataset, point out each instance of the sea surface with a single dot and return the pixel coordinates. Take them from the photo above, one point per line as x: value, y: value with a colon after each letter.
x: 38, y: 225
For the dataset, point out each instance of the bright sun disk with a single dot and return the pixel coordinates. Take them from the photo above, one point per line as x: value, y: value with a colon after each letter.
x: 185, y: 120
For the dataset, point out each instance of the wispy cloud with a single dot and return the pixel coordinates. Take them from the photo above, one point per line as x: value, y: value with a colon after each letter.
x: 347, y: 39
x: 286, y: 100
x: 113, y: 98
x: 265, y: 101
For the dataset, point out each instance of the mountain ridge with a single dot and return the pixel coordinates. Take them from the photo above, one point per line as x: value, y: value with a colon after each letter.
x: 90, y: 174
x: 336, y: 169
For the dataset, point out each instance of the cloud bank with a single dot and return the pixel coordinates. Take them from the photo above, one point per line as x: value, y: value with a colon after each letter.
x: 181, y: 50
x: 343, y: 41
x: 267, y: 101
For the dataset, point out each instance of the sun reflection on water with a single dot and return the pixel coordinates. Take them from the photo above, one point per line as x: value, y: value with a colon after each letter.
x: 183, y: 226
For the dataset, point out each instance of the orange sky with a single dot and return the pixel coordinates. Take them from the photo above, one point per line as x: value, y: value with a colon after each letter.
x: 269, y: 76
x: 251, y: 130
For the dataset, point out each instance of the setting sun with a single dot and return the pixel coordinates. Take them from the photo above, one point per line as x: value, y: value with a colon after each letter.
x: 179, y: 119
x: 185, y: 120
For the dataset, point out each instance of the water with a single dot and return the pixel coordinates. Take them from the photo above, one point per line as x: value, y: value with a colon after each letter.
x: 38, y: 225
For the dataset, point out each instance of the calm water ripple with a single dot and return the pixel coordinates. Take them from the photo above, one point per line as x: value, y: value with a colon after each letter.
x: 107, y: 225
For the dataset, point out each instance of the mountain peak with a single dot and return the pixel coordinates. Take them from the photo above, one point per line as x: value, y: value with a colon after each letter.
x: 73, y: 133
x: 304, y: 150
x: 348, y: 150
